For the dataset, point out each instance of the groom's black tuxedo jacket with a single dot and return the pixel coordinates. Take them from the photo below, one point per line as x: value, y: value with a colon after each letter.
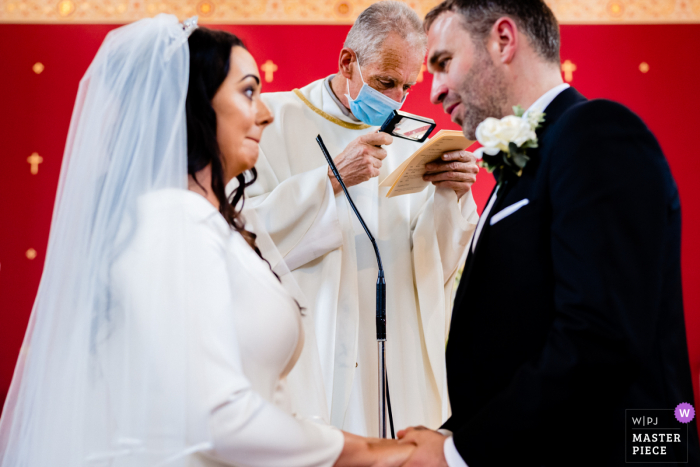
x: 570, y: 309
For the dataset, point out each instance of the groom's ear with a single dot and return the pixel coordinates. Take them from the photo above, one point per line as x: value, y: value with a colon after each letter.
x: 504, y: 40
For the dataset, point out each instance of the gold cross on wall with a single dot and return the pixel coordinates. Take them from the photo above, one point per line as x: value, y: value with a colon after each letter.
x: 34, y: 161
x: 269, y: 69
x: 568, y: 68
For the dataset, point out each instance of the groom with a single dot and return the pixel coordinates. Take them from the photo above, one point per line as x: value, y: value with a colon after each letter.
x: 570, y: 307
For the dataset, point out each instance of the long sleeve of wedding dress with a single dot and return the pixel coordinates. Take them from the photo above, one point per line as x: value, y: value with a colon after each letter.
x: 242, y: 335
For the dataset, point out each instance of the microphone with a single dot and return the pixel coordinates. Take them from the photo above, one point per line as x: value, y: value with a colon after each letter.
x: 380, y: 303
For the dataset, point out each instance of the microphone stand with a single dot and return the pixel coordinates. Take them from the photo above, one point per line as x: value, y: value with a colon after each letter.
x: 384, y: 399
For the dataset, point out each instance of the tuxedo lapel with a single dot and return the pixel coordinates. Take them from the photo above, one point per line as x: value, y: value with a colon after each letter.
x: 473, y: 249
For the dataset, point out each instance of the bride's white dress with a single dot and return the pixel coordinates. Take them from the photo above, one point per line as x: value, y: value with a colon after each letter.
x: 243, y: 334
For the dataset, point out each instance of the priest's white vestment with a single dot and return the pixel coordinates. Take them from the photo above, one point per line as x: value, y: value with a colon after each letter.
x: 421, y: 237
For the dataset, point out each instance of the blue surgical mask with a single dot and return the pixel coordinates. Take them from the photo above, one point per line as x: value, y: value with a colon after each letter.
x: 371, y: 106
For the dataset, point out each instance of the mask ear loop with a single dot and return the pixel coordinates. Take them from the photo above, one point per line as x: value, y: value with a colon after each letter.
x: 360, y: 69
x: 347, y: 82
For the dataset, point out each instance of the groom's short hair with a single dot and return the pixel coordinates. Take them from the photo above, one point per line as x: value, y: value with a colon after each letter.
x: 533, y: 17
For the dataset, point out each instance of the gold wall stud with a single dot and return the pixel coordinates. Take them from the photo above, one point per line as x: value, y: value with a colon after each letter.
x: 34, y: 161
x: 343, y: 8
x: 205, y: 8
x: 66, y: 7
x: 644, y: 67
x: 616, y: 9
x: 269, y: 69
x: 568, y: 68
x: 30, y: 253
x: 38, y: 68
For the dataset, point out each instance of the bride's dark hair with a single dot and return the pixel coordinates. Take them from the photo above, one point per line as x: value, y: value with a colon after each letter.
x: 210, y: 53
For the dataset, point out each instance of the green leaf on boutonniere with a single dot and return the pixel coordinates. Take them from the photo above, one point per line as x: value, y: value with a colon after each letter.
x: 490, y: 163
x: 517, y: 155
x: 520, y: 160
x: 518, y: 111
x: 507, y: 159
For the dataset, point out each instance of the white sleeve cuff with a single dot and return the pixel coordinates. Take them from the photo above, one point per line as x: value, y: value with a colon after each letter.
x: 451, y: 455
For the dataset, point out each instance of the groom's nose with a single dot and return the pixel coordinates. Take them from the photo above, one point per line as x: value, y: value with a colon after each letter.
x: 438, y: 91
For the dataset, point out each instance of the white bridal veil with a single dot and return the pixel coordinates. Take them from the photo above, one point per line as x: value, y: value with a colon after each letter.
x: 89, y: 387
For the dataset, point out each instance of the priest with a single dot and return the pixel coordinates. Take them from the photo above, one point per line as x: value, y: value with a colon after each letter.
x: 421, y: 236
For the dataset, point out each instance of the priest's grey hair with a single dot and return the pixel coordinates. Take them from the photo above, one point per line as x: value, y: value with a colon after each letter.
x: 378, y: 21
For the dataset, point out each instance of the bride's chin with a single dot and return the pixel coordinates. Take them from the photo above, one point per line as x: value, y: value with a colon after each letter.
x: 250, y: 158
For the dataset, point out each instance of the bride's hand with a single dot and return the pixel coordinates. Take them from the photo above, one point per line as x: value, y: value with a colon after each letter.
x: 372, y: 452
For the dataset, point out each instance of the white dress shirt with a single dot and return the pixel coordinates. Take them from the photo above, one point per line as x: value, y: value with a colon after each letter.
x: 451, y: 454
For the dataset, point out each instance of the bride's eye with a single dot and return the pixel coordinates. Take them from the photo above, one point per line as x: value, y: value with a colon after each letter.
x: 249, y: 91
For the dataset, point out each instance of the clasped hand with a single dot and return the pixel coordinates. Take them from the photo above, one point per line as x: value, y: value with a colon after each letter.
x: 416, y: 447
x: 429, y: 448
x: 362, y: 159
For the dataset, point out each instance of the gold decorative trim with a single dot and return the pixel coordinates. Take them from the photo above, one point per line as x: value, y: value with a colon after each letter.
x: 330, y: 118
x: 320, y: 11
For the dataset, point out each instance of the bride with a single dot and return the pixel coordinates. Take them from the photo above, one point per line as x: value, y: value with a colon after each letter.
x: 159, y: 335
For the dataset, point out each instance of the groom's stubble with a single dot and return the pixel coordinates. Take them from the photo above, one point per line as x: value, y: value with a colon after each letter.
x: 483, y: 92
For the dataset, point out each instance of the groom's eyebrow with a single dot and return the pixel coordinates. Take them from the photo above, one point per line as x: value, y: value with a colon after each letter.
x: 256, y: 78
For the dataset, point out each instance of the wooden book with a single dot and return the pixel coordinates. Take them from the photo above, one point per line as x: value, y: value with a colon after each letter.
x: 408, y: 177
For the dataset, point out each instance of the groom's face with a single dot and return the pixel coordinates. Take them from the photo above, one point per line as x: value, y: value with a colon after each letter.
x: 466, y: 81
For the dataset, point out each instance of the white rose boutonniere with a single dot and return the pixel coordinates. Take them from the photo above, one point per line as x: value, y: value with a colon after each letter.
x: 504, y: 141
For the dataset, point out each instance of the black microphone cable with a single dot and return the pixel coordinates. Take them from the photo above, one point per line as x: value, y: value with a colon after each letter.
x: 381, y: 282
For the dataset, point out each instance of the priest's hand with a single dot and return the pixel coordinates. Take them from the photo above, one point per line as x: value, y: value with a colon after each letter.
x: 361, y: 160
x: 429, y: 444
x: 456, y: 170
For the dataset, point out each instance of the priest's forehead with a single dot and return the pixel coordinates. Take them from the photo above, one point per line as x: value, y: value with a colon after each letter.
x: 394, y: 62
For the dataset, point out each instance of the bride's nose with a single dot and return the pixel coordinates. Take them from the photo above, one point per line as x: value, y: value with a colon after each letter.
x: 264, y: 116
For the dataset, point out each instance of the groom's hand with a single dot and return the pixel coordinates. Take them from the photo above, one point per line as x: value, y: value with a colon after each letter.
x: 456, y: 170
x: 429, y: 447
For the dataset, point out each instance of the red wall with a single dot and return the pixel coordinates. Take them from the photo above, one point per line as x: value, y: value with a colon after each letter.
x: 35, y: 112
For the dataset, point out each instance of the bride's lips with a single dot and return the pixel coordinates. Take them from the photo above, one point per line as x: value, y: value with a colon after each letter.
x: 256, y: 140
